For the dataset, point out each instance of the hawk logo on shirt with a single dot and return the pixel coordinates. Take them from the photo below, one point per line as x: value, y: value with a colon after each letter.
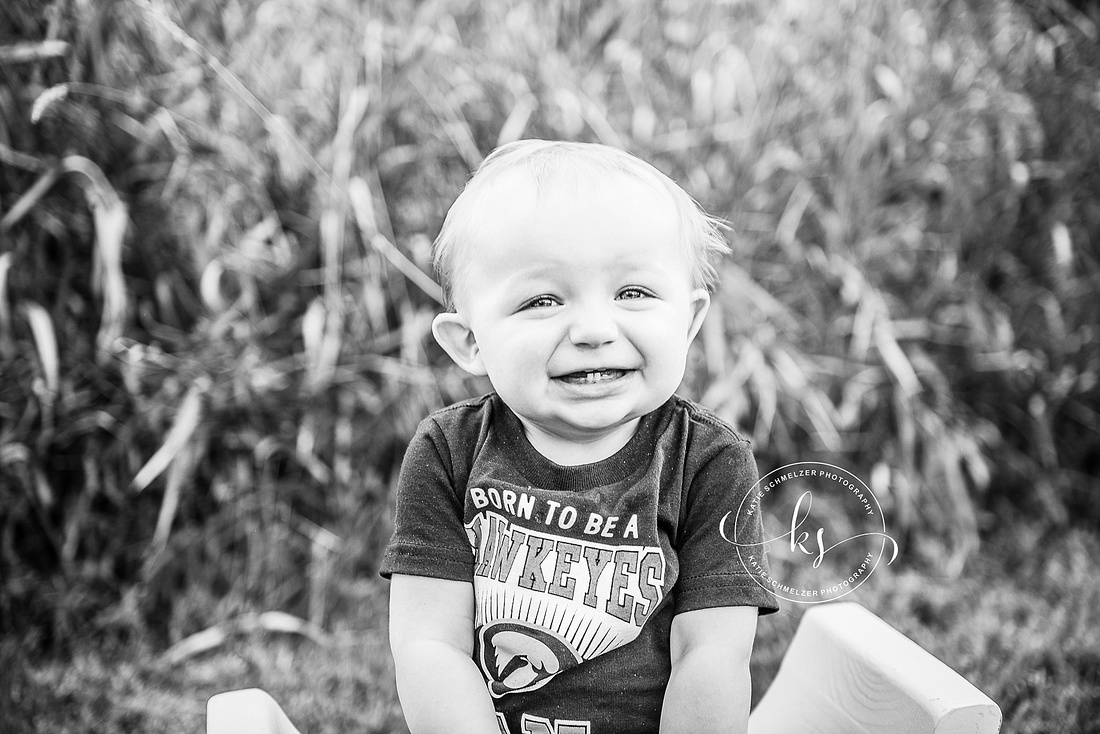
x: 520, y: 657
x: 544, y: 603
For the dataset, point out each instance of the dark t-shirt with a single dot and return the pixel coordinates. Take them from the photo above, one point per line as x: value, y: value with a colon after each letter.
x: 578, y: 570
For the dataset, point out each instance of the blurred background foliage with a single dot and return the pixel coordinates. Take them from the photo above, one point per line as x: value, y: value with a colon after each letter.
x: 215, y: 309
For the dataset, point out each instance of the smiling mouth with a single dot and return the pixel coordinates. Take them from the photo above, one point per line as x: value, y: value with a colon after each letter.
x: 592, y: 377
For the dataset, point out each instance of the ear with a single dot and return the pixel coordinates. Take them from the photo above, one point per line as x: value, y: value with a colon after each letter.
x: 700, y: 304
x: 453, y: 333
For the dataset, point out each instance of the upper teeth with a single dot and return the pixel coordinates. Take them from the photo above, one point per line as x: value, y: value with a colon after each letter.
x: 591, y: 374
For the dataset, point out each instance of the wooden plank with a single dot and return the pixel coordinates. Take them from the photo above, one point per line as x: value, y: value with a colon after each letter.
x: 249, y: 711
x: 848, y: 672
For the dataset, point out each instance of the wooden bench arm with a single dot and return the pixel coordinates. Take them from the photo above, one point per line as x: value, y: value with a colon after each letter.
x: 848, y: 672
x: 249, y: 711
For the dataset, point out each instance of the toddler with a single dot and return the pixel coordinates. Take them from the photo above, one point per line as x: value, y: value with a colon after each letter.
x: 556, y: 565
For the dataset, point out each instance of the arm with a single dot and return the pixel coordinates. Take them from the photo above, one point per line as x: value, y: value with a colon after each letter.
x: 432, y: 638
x: 709, y: 689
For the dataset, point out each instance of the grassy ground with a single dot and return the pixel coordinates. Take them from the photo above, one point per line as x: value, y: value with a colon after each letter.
x: 1022, y: 623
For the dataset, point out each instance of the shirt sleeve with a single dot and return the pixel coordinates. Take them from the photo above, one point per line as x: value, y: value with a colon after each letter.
x: 429, y: 538
x: 721, y: 539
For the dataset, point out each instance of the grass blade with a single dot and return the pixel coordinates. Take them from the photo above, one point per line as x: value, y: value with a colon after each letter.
x: 30, y: 52
x: 45, y: 341
x: 517, y: 119
x: 5, y: 308
x: 361, y: 204
x: 895, y: 360
x: 31, y: 197
x: 178, y: 472
x: 111, y: 221
x: 213, y: 637
x: 187, y: 420
x: 48, y: 99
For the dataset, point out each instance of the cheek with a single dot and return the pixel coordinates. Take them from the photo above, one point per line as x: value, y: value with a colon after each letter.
x: 510, y: 357
x: 665, y: 345
x: 667, y: 331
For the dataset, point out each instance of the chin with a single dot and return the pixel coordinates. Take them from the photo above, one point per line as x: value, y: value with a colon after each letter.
x: 598, y: 423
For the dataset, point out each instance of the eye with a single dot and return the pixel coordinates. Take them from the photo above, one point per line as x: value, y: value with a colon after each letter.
x: 543, y: 301
x: 633, y: 293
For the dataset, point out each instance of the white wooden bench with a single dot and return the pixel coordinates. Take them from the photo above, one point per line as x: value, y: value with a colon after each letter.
x: 848, y: 672
x: 845, y: 672
x: 250, y: 711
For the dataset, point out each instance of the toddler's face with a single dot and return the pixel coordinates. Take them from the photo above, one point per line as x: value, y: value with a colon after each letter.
x: 577, y: 303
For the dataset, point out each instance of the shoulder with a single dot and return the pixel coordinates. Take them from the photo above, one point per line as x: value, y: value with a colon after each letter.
x: 703, y: 424
x: 708, y: 444
x: 459, y: 417
x: 457, y: 432
x: 451, y: 436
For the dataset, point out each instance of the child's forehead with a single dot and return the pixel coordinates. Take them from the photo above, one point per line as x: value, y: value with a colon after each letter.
x: 526, y: 223
x: 521, y: 186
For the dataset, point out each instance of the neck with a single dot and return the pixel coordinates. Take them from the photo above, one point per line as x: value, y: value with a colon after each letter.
x: 568, y: 451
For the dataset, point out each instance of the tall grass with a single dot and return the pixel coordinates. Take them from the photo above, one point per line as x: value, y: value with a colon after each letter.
x: 215, y: 300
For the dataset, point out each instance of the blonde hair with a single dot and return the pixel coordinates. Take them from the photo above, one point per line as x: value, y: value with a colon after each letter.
x: 542, y: 159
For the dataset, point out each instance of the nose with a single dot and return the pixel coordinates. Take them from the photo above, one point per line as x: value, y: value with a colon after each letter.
x: 593, y: 326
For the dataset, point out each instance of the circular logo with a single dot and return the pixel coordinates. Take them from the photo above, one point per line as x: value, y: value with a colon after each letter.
x: 521, y: 657
x: 824, y: 532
